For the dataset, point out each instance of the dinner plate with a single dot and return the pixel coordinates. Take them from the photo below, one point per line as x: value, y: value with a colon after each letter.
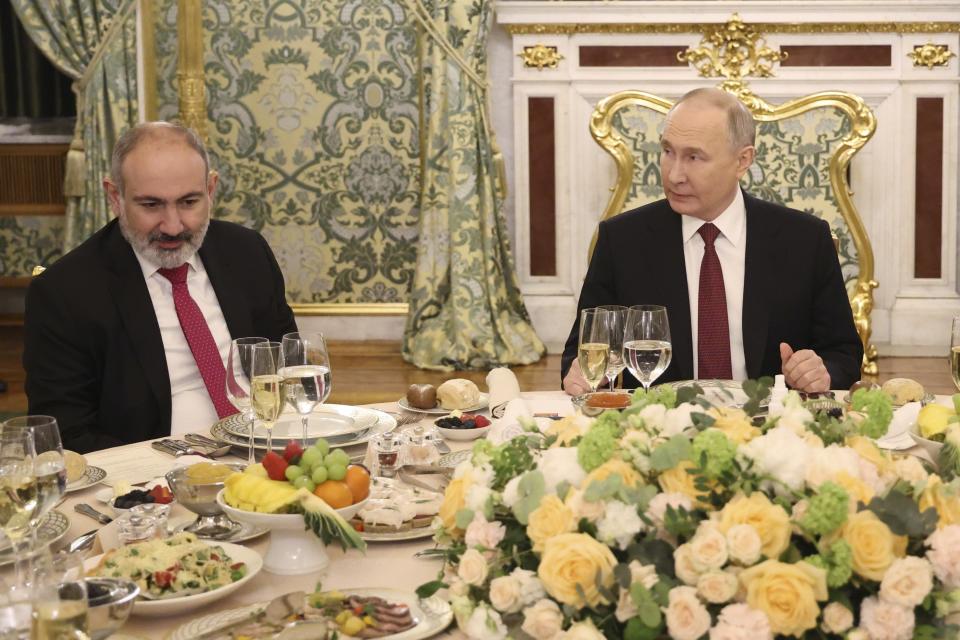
x: 91, y: 476
x: 385, y: 422
x: 432, y: 615
x: 416, y: 533
x: 176, y: 606
x: 51, y: 528
x: 328, y: 421
x: 439, y: 411
x: 454, y: 458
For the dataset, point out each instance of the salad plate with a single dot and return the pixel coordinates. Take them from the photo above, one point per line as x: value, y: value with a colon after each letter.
x: 91, y: 476
x: 439, y: 411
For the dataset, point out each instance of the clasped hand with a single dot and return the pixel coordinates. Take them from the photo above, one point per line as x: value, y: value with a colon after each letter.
x: 804, y: 370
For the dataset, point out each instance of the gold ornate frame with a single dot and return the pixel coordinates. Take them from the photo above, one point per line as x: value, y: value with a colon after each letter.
x: 725, y: 60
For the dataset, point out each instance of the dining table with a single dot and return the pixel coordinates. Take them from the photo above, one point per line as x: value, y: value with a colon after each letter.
x: 384, y: 564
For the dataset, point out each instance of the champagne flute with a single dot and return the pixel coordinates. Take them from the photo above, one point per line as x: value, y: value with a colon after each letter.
x: 305, y: 373
x: 955, y: 352
x: 265, y: 386
x: 50, y: 469
x: 594, y: 351
x: 238, y: 382
x: 59, y: 598
x: 646, y: 343
x: 617, y: 320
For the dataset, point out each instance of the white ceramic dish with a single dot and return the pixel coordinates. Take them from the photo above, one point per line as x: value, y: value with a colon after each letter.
x: 326, y: 421
x: 418, y: 533
x: 464, y: 435
x: 385, y: 422
x: 294, y: 549
x: 439, y: 411
x: 91, y: 476
x: 53, y: 526
x: 432, y: 615
x: 176, y: 606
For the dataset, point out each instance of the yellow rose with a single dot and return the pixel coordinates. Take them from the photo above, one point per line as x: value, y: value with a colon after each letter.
x: 576, y: 559
x: 944, y: 499
x: 677, y: 480
x: 735, y: 423
x: 857, y: 489
x: 549, y: 519
x: 453, y: 500
x: 626, y: 471
x: 566, y: 430
x: 871, y: 453
x: 787, y: 593
x: 771, y: 522
x: 873, y: 545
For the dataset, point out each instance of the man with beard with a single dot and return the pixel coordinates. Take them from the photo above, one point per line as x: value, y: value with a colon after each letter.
x: 126, y: 336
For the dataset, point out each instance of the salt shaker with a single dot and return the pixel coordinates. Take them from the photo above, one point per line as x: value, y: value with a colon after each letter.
x: 159, y: 512
x: 134, y: 528
x: 387, y: 449
x: 419, y: 449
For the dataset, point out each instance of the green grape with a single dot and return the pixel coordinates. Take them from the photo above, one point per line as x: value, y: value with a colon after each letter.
x: 310, y: 458
x: 322, y: 446
x: 304, y: 482
x: 331, y: 459
x: 337, y: 472
x: 293, y: 472
x: 341, y: 457
x: 320, y: 474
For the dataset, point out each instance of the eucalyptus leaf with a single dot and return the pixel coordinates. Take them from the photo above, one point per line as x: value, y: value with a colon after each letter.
x: 463, y: 518
x: 670, y: 453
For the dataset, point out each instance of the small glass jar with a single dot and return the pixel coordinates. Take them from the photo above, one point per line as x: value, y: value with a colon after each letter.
x: 132, y: 528
x: 419, y: 449
x: 160, y: 514
x: 387, y: 450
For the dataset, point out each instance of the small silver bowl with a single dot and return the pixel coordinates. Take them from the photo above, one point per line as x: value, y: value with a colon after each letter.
x: 109, y: 602
x: 582, y: 402
x: 201, y: 498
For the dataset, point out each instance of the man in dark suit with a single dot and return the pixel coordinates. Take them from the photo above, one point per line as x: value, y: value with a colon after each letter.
x: 751, y: 288
x: 126, y: 336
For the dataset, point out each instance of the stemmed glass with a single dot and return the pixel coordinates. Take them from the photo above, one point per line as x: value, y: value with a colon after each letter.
x: 59, y: 597
x: 617, y: 319
x: 646, y: 343
x: 955, y: 352
x: 594, y: 350
x: 18, y: 498
x: 266, y: 384
x: 238, y: 382
x: 306, y: 373
x: 49, y: 465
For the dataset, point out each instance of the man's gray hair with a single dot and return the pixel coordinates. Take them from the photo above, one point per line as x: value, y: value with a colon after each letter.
x: 741, y: 127
x: 139, y: 132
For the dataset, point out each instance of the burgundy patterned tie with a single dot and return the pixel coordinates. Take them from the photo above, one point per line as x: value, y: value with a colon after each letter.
x: 713, y: 334
x: 200, y: 339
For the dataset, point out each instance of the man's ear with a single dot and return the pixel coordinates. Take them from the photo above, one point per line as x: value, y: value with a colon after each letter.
x: 212, y: 179
x: 744, y: 159
x: 114, y: 198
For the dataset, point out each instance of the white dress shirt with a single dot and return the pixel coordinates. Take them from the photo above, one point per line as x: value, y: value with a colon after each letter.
x: 191, y: 406
x: 731, y: 246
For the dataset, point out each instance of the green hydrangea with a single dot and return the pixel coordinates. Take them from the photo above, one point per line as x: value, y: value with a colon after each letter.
x: 600, y: 443
x: 714, y: 450
x: 878, y: 409
x: 837, y: 561
x: 827, y: 510
x: 661, y: 394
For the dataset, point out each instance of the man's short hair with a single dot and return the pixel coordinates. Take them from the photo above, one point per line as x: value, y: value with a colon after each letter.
x: 741, y: 127
x: 144, y: 130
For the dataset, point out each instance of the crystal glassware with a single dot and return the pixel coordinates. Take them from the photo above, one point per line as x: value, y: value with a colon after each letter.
x: 306, y: 374
x: 617, y: 319
x: 594, y: 347
x: 59, y: 598
x: 266, y: 385
x: 49, y: 465
x: 647, y: 347
x: 238, y: 376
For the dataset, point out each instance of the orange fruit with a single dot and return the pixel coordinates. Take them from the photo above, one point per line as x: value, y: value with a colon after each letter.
x: 358, y: 479
x: 335, y: 493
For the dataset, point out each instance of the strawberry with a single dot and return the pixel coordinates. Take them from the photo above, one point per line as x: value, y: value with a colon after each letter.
x: 481, y: 422
x: 292, y: 451
x: 161, y: 495
x: 275, y: 465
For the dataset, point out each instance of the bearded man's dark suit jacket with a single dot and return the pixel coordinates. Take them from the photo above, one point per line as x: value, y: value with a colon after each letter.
x: 92, y: 349
x: 793, y: 289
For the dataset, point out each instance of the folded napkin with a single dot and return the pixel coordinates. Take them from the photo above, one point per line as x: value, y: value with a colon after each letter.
x: 898, y: 436
x: 503, y: 387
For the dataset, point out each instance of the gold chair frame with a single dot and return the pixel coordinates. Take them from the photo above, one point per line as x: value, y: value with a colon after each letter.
x: 863, y: 124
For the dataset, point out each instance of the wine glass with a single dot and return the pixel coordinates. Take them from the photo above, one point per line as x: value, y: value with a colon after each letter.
x: 594, y: 350
x: 617, y: 319
x: 265, y: 385
x: 238, y: 381
x: 50, y: 469
x: 306, y: 373
x: 59, y: 597
x: 646, y: 343
x: 18, y: 497
x: 955, y: 352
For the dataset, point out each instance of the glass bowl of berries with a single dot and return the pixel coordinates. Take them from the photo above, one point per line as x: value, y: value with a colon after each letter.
x: 463, y: 426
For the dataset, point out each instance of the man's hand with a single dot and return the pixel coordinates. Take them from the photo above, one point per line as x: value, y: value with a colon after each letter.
x: 804, y: 370
x: 574, y: 383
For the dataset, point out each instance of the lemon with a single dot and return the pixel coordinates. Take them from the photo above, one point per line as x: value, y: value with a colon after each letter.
x: 933, y: 419
x: 76, y: 465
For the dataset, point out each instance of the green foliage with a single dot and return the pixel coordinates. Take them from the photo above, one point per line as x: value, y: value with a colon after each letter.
x: 680, y: 523
x: 713, y: 452
x: 600, y: 443
x: 531, y: 490
x: 511, y: 459
x: 828, y: 509
x: 902, y: 514
x: 647, y: 608
x: 463, y: 518
x: 949, y: 458
x: 663, y: 394
x: 837, y: 560
x: 427, y: 589
x: 636, y: 630
x: 878, y: 408
x: 758, y: 391
x: 670, y: 453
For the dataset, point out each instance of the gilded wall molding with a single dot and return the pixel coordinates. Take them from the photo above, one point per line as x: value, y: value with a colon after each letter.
x: 540, y: 56
x: 190, y: 77
x: 350, y: 309
x: 764, y: 27
x: 931, y: 55
x: 147, y: 26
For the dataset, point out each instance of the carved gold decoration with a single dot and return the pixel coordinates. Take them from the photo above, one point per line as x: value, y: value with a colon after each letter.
x: 931, y: 55
x: 190, y: 80
x: 763, y: 27
x: 350, y: 309
x: 147, y: 27
x: 732, y: 51
x: 540, y: 56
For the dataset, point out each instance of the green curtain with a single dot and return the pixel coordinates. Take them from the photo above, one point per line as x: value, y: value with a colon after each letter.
x: 95, y: 43
x: 466, y: 310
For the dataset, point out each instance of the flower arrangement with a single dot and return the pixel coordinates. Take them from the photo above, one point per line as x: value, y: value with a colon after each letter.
x: 676, y: 518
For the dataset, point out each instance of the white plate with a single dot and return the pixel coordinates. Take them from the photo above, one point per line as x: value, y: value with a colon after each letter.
x: 176, y: 606
x: 51, y: 528
x: 326, y: 421
x: 417, y: 533
x: 439, y: 411
x: 432, y: 615
x: 464, y: 434
x: 385, y: 422
x: 91, y: 476
x: 454, y: 458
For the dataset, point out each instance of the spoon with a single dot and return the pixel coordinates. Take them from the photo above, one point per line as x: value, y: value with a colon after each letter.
x: 83, y: 542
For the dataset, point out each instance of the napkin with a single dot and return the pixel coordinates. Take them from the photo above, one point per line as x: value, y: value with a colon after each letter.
x: 508, y: 425
x: 503, y: 387
x: 898, y: 436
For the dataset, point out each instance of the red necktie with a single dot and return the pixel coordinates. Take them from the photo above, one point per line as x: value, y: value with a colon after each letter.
x: 201, y: 341
x: 713, y: 334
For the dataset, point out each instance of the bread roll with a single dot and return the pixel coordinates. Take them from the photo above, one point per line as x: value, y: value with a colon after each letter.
x: 903, y: 390
x: 458, y: 394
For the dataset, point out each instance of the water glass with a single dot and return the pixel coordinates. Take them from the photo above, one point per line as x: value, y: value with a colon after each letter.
x: 647, y: 348
x: 59, y: 598
x: 306, y: 374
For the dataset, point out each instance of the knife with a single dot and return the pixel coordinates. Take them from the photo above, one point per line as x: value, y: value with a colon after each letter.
x: 87, y: 510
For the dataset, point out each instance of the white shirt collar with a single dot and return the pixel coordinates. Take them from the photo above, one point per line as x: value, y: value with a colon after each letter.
x: 730, y: 222
x: 150, y: 269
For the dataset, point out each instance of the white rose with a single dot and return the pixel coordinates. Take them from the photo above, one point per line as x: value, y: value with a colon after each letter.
x: 485, y: 624
x: 744, y: 544
x: 679, y: 419
x: 886, y: 621
x: 531, y: 589
x: 794, y: 415
x: 559, y: 465
x: 620, y: 523
x: 505, y: 594
x: 858, y: 634
x: 687, y: 618
x: 543, y: 620
x: 741, y: 622
x: 944, y: 554
x: 582, y: 508
x: 782, y: 454
x: 708, y: 549
x: 583, y: 631
x: 458, y: 587
x: 683, y: 565
x: 907, y: 582
x: 462, y: 607
x: 477, y: 497
x: 511, y: 493
x: 717, y: 587
x: 909, y: 469
x: 473, y: 567
x: 653, y: 416
x: 657, y: 509
x: 829, y: 462
x: 481, y: 533
x: 836, y: 618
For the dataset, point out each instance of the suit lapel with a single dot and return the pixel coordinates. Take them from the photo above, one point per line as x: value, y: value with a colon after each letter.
x: 229, y: 292
x: 759, y: 266
x: 665, y: 259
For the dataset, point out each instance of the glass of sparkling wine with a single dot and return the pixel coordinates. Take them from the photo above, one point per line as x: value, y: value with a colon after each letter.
x: 59, y: 598
x: 266, y: 385
x: 49, y: 466
x: 18, y: 503
x: 617, y: 319
x: 955, y: 352
x: 646, y: 343
x: 305, y: 373
x: 594, y: 351
x: 238, y: 382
